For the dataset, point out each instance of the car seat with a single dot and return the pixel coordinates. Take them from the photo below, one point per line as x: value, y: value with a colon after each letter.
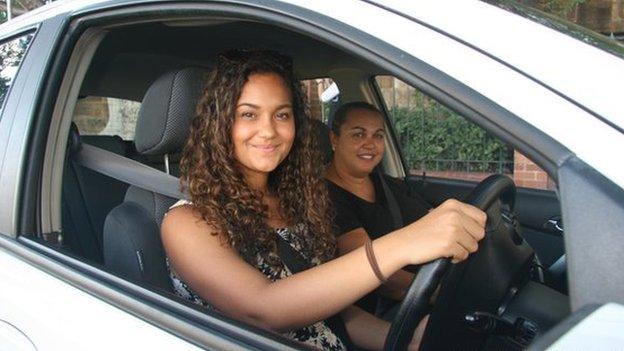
x: 131, y: 244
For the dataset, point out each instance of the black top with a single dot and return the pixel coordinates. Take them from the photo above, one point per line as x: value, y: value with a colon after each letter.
x: 353, y: 212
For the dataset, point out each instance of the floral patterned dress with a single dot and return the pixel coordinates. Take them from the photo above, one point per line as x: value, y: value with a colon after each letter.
x: 318, y: 335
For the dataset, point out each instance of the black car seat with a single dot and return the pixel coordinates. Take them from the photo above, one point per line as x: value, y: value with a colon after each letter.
x: 84, y: 204
x: 132, y: 246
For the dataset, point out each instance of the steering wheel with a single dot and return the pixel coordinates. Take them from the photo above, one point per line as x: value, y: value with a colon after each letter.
x: 415, y: 305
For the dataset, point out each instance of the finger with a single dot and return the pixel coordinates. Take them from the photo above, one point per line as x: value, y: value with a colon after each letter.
x: 468, y: 242
x: 459, y: 253
x: 472, y: 227
x: 474, y: 213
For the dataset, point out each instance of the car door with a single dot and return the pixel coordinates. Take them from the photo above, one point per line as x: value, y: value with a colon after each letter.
x: 39, y: 309
x: 50, y: 298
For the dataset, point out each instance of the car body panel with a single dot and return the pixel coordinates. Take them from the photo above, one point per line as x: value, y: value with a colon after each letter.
x: 32, y: 300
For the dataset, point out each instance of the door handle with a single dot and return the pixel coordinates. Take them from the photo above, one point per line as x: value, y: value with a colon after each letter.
x: 554, y: 225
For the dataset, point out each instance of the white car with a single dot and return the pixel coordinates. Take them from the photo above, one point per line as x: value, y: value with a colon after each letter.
x: 86, y: 85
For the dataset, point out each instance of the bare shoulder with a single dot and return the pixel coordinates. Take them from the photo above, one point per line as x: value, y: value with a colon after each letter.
x: 183, y: 225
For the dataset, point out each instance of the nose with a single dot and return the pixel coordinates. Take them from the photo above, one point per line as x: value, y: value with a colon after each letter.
x: 266, y: 127
x: 370, y: 143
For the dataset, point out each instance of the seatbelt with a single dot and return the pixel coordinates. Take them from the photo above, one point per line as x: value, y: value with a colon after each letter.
x: 393, y: 205
x: 297, y: 263
x: 129, y: 171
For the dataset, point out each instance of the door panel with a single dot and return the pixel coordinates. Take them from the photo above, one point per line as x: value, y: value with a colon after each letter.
x: 55, y: 315
x: 534, y: 208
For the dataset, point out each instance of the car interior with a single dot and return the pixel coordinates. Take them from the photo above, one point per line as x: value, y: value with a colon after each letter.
x: 105, y: 216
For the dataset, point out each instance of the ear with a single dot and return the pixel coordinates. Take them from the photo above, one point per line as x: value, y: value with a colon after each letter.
x: 333, y: 139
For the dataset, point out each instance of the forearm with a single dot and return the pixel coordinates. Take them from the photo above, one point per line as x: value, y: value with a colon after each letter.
x: 397, y: 285
x: 366, y: 330
x: 328, y: 288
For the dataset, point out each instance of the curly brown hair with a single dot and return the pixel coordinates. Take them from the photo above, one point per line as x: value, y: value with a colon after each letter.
x: 217, y: 187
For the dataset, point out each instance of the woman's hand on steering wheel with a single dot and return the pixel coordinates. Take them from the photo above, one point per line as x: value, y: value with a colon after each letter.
x: 451, y: 230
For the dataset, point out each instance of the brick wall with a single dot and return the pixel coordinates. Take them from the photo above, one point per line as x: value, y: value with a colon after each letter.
x: 527, y: 174
x: 604, y: 16
x: 313, y: 88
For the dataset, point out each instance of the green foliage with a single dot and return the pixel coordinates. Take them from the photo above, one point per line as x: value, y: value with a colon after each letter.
x: 435, y: 137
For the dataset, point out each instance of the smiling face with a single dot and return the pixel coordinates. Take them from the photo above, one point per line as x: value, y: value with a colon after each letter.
x: 359, y: 146
x: 264, y: 124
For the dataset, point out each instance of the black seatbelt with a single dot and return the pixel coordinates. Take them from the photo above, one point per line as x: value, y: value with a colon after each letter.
x: 393, y: 205
x: 297, y: 263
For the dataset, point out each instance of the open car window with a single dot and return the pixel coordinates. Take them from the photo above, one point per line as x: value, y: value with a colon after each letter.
x: 437, y: 142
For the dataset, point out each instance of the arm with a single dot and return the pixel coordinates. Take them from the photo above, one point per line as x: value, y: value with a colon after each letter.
x: 397, y: 284
x: 366, y: 330
x: 370, y: 332
x: 218, y: 274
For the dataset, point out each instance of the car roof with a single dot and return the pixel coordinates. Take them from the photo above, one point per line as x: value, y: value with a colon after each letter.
x: 574, y: 68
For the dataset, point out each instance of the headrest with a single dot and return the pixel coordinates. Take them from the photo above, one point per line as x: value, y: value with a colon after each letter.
x: 167, y: 110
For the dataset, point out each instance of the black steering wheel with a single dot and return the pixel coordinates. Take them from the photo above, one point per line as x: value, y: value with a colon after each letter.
x: 415, y: 305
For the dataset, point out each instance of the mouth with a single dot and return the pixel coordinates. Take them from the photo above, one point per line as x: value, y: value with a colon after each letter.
x: 367, y: 156
x: 265, y: 148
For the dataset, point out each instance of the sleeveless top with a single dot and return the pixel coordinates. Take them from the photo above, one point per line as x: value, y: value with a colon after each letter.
x: 318, y: 335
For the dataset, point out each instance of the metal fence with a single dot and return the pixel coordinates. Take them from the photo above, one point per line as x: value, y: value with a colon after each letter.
x: 468, y: 166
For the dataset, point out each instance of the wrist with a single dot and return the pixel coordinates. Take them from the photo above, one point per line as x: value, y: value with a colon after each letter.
x: 392, y: 250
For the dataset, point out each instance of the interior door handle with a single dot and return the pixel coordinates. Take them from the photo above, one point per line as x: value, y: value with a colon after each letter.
x: 554, y: 225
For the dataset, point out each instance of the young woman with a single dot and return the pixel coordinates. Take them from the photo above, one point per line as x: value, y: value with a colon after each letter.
x: 252, y: 172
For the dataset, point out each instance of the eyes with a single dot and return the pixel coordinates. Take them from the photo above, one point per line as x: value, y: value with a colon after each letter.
x: 252, y: 115
x: 359, y: 135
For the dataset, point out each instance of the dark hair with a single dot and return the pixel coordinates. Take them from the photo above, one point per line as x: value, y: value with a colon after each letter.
x: 341, y: 113
x: 218, y: 189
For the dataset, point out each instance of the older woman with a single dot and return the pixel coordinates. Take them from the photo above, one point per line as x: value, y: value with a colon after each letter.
x: 368, y: 204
